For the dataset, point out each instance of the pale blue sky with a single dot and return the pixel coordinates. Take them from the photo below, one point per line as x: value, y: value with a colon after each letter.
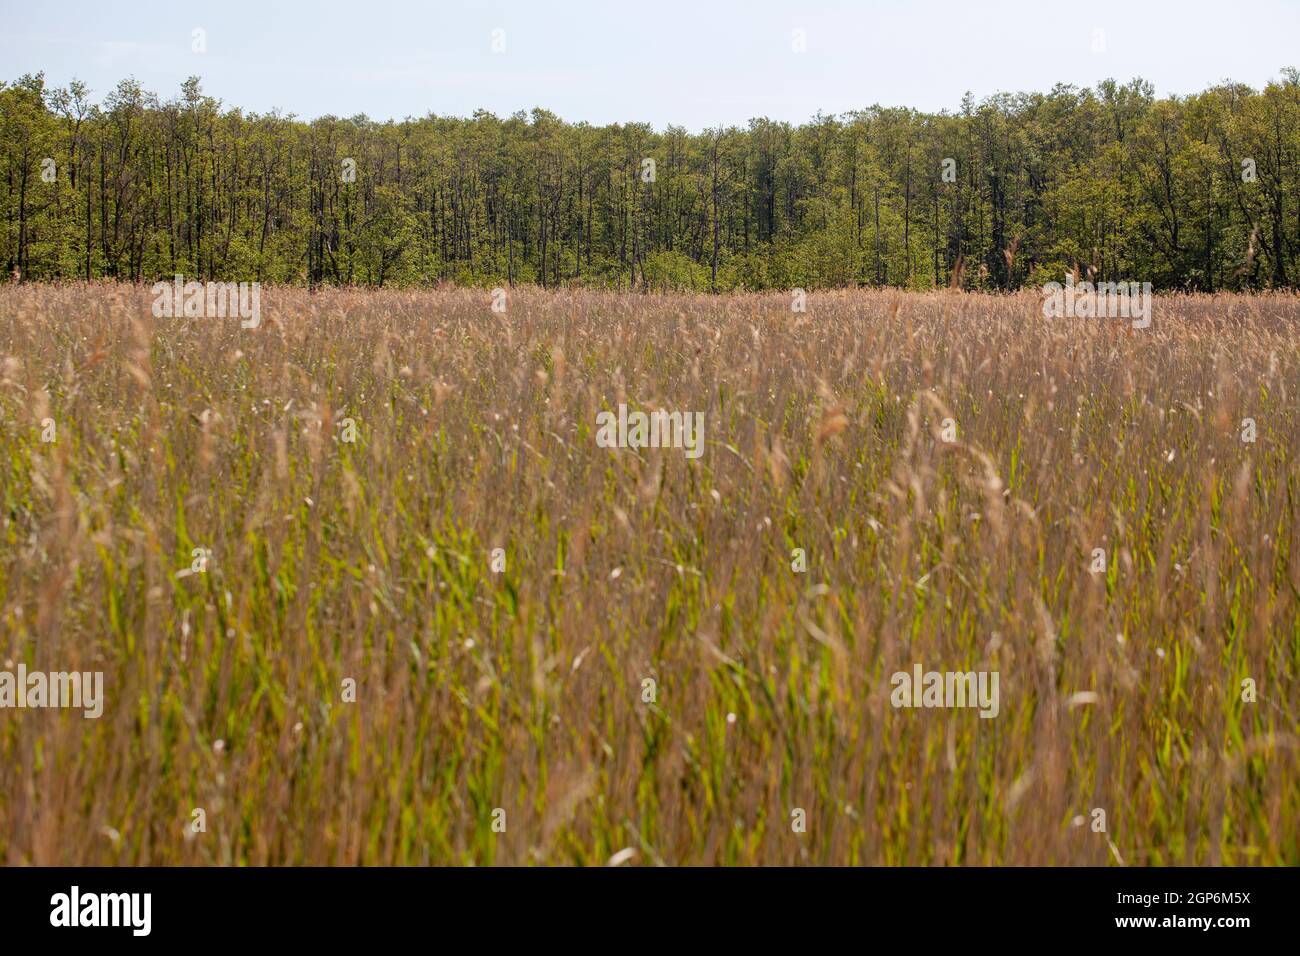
x: 695, y: 63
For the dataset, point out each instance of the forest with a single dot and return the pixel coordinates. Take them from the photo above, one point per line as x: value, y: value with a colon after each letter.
x: 1194, y: 193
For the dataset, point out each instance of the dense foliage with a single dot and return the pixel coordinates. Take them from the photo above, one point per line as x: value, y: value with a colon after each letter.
x: 1198, y: 193
x: 652, y: 669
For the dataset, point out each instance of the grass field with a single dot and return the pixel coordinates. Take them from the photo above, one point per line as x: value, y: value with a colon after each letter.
x: 526, y: 690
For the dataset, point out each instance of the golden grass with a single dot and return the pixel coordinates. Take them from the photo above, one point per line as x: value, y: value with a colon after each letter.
x: 523, y: 690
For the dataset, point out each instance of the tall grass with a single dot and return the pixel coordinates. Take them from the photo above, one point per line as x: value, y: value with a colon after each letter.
x: 523, y: 690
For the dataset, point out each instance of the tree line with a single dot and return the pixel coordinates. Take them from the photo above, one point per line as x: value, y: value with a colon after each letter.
x: 1200, y: 192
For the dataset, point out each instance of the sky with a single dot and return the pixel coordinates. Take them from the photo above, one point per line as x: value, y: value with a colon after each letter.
x: 694, y: 64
